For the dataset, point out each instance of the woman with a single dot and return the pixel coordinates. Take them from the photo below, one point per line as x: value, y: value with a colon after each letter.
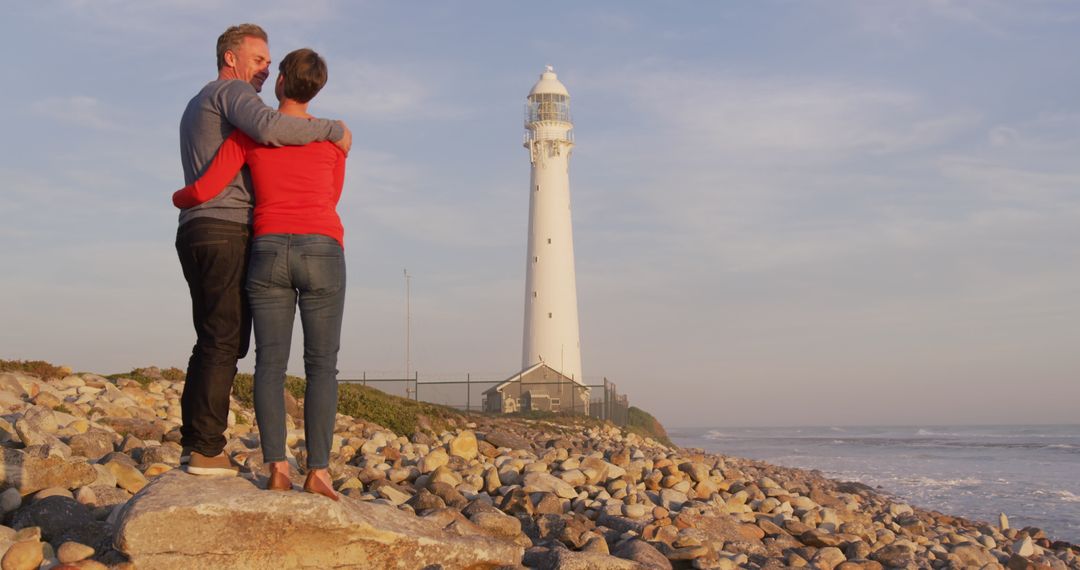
x: 297, y: 257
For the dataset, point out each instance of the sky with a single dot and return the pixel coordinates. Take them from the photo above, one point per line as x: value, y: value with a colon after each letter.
x: 808, y: 212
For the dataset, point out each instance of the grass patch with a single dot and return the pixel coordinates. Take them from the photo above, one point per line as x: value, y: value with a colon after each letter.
x: 645, y: 425
x: 135, y: 375
x: 145, y: 376
x: 244, y: 386
x: 395, y: 413
x: 40, y: 368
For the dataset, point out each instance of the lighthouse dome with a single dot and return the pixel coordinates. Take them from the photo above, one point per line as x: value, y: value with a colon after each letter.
x: 549, y: 83
x: 548, y: 102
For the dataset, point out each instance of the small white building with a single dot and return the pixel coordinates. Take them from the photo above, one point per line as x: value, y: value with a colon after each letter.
x: 537, y: 388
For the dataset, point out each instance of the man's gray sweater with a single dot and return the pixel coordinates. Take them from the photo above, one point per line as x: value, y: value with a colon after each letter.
x: 210, y: 118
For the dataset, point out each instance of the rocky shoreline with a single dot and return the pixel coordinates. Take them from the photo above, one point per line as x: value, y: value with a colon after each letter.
x: 90, y: 480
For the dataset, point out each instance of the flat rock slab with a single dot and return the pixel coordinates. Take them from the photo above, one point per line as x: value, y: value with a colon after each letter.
x: 182, y: 521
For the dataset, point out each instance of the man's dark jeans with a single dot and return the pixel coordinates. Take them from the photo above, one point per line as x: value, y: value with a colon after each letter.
x: 213, y: 254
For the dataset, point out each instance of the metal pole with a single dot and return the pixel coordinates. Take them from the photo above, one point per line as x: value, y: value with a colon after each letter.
x: 468, y: 392
x: 407, y: 323
x: 365, y: 378
x: 416, y: 385
x: 614, y: 402
x: 606, y: 408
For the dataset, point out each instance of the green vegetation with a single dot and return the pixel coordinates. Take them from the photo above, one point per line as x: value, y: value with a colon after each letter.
x: 145, y: 376
x: 136, y: 375
x: 645, y: 425
x: 395, y: 413
x: 244, y: 384
x: 173, y: 374
x: 39, y: 368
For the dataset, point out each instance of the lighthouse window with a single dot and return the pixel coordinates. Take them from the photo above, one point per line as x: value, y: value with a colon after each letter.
x: 549, y: 315
x: 537, y: 187
x: 549, y: 240
x: 547, y: 107
x: 535, y: 259
x: 534, y: 294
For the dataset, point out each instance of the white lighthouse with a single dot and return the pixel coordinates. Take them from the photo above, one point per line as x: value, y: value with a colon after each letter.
x: 551, y: 313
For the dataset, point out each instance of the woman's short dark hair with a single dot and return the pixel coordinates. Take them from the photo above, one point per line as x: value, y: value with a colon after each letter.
x: 305, y: 74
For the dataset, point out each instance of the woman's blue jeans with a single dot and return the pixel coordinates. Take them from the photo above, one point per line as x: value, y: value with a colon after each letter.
x: 287, y: 270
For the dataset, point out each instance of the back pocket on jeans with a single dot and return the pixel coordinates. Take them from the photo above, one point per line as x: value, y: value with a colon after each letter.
x: 260, y: 271
x: 325, y: 272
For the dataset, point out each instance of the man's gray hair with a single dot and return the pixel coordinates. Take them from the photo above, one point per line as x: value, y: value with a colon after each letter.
x: 234, y: 37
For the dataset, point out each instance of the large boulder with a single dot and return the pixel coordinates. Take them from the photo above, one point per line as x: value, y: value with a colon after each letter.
x: 559, y: 558
x: 60, y: 519
x: 31, y: 472
x: 507, y: 439
x: 127, y: 477
x: 39, y: 418
x: 622, y: 524
x: 434, y: 460
x: 181, y: 520
x: 24, y: 554
x: 94, y: 444
x: 9, y: 383
x: 464, y: 446
x: 643, y: 553
x: 540, y: 482
x: 143, y: 429
x: 726, y: 528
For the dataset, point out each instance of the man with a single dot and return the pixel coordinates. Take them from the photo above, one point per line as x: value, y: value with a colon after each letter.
x: 213, y: 238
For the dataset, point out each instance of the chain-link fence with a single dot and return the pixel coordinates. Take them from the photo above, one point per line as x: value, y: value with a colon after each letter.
x: 600, y: 400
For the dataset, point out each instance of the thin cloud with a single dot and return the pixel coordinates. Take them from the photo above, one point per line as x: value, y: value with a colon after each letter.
x: 907, y: 21
x: 408, y: 198
x: 1046, y: 133
x: 765, y: 175
x: 1014, y: 184
x: 811, y: 117
x: 376, y: 92
x: 181, y: 18
x: 911, y: 20
x: 76, y: 110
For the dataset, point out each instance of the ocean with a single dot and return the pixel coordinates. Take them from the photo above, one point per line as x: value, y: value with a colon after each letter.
x: 1031, y: 473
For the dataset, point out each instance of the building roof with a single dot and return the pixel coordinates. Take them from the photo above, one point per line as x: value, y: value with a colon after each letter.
x: 516, y: 377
